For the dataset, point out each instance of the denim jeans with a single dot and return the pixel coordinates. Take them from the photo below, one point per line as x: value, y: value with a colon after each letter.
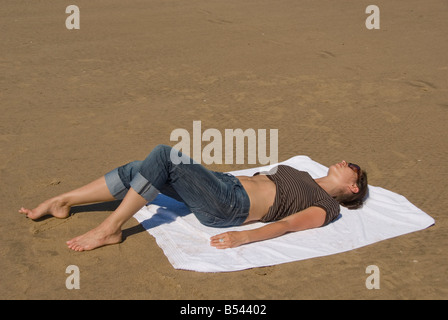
x: 217, y: 199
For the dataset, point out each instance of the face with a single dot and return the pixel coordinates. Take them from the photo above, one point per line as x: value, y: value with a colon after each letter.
x: 347, y: 174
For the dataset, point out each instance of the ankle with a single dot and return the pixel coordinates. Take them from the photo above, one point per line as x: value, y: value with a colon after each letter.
x: 64, y: 200
x: 109, y: 226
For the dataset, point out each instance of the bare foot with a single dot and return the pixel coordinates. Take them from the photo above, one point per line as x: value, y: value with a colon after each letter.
x: 56, y: 207
x: 95, y: 238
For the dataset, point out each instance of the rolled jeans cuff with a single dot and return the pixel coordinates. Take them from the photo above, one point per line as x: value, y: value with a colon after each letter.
x: 116, y: 187
x: 144, y: 188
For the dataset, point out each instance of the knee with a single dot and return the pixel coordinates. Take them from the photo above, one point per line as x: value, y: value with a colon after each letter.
x: 129, y: 171
x: 162, y: 149
x: 157, y: 161
x: 172, y: 155
x: 160, y: 154
x: 168, y: 154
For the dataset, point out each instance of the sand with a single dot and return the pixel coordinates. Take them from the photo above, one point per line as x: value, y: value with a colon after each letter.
x: 77, y: 103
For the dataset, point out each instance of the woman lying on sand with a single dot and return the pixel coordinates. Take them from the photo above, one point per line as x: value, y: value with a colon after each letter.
x: 285, y: 195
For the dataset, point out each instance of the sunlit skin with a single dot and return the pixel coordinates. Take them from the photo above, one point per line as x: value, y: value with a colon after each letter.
x: 340, y: 179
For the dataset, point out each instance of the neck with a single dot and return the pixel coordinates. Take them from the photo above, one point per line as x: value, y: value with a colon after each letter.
x: 328, y: 185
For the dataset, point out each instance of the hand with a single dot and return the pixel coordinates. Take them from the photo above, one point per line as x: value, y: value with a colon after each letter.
x: 229, y: 239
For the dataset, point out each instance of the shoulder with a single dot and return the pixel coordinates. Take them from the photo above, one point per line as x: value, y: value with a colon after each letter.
x: 331, y: 207
x: 312, y: 217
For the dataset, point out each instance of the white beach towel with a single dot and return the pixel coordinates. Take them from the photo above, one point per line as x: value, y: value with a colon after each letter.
x: 186, y: 242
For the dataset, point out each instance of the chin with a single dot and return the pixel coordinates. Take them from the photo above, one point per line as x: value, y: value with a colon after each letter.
x: 332, y: 168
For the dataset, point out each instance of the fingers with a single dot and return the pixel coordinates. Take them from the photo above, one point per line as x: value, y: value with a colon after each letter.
x: 230, y: 239
x: 220, y: 241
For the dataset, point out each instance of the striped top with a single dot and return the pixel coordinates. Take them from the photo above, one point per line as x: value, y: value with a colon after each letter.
x: 296, y: 191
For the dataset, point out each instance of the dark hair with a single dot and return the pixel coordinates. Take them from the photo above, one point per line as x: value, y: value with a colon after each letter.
x: 355, y: 200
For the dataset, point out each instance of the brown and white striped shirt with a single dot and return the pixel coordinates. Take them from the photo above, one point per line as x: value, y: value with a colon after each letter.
x: 297, y: 191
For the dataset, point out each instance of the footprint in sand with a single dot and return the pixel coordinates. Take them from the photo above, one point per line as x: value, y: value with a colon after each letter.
x: 327, y: 54
x: 424, y: 85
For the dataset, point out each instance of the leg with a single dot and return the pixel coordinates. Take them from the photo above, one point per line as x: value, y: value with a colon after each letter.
x: 217, y: 199
x: 154, y: 173
x: 59, y: 206
x: 109, y: 231
x: 139, y: 187
x: 137, y: 191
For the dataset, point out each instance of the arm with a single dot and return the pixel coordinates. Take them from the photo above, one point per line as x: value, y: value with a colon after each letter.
x: 309, y: 218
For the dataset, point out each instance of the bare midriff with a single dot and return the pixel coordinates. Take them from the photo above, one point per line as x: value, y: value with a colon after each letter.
x: 261, y: 191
